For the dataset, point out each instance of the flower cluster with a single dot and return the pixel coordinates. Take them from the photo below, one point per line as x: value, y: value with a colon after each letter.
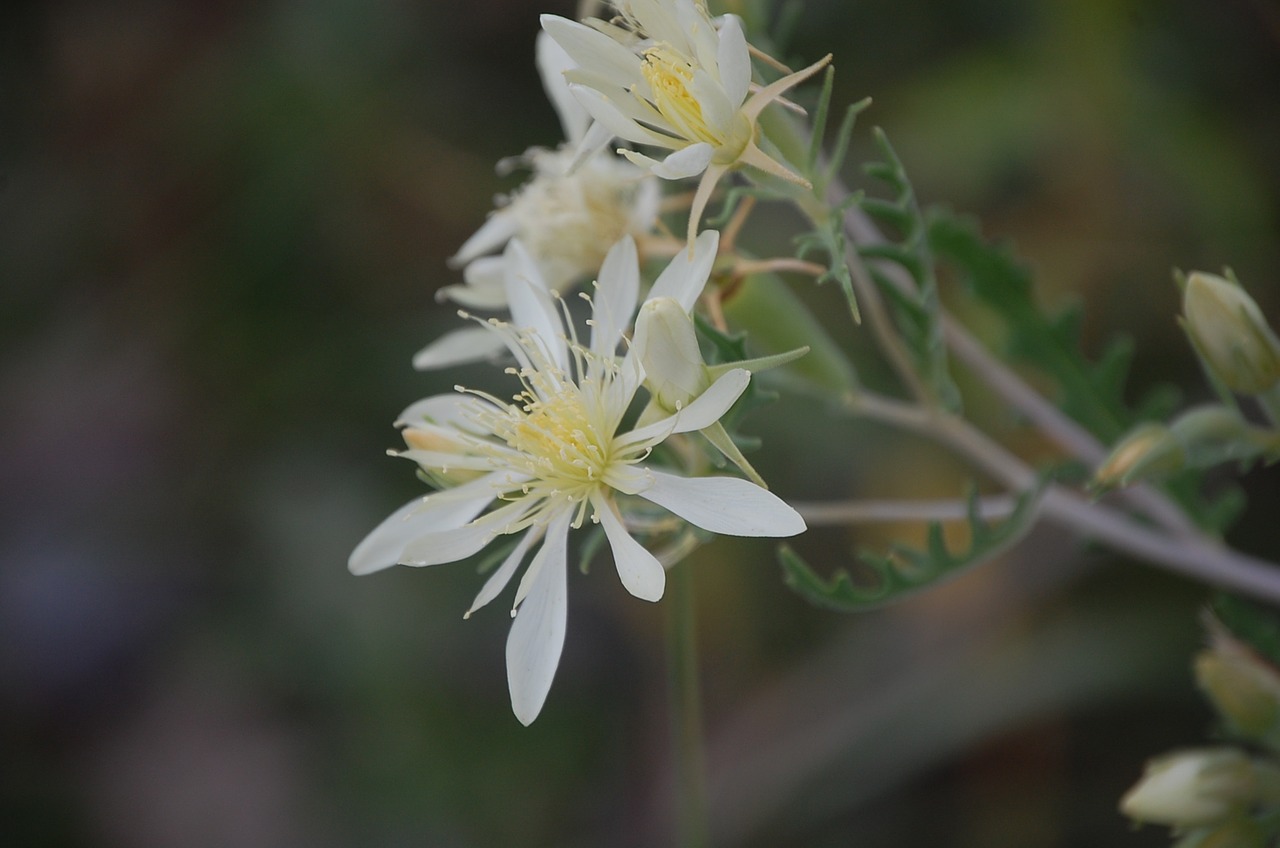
x: 568, y: 449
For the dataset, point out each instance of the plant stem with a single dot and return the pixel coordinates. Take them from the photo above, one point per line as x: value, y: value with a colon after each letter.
x: 686, y: 709
x: 1192, y: 556
x: 1053, y: 422
x: 856, y: 511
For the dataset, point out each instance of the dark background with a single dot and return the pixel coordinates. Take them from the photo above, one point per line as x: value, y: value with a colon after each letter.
x: 221, y: 225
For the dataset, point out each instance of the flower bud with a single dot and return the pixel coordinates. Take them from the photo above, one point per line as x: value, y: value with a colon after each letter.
x: 1243, y: 687
x: 1149, y: 449
x: 1191, y: 788
x: 1215, y: 434
x: 1230, y: 333
x: 667, y: 344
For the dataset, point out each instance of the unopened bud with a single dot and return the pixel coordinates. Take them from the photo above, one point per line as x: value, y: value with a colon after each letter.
x: 1148, y: 450
x: 667, y: 345
x: 1191, y: 788
x: 1243, y: 687
x: 1230, y: 333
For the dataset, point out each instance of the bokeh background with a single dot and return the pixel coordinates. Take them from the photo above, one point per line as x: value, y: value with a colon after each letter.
x: 222, y: 225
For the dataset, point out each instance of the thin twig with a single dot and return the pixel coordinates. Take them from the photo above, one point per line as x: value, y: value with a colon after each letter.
x: 1048, y: 418
x: 869, y: 511
x: 1191, y: 556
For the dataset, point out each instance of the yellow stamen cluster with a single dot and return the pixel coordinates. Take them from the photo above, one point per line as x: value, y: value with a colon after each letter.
x: 670, y: 75
x: 555, y: 437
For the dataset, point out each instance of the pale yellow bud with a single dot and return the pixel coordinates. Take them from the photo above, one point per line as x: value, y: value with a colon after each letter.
x: 1244, y: 688
x: 1230, y: 333
x: 1148, y: 449
x: 1191, y: 788
x: 667, y: 345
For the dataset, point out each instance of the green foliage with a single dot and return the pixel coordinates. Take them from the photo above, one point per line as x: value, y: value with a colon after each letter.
x: 917, y: 311
x: 904, y: 570
x: 829, y: 238
x: 1092, y: 393
x: 821, y: 172
x: 721, y: 347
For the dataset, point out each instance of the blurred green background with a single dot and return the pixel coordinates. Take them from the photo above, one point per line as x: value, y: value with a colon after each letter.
x: 222, y: 227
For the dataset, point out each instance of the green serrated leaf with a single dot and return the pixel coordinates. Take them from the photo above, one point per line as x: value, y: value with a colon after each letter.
x: 840, y: 148
x: 829, y: 238
x: 722, y: 347
x: 917, y: 313
x: 904, y: 570
x: 1091, y: 393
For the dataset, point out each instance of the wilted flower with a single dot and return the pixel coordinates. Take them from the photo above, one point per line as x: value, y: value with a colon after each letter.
x: 671, y: 78
x: 558, y: 454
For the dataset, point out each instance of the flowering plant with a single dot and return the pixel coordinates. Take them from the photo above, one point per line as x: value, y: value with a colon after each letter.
x: 612, y: 427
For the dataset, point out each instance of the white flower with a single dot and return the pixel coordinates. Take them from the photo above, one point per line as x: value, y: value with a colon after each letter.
x: 671, y: 78
x: 577, y: 203
x: 558, y: 455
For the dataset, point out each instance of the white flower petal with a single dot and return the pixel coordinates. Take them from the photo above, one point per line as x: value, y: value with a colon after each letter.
x: 445, y: 461
x: 688, y: 162
x: 645, y: 207
x: 726, y: 505
x: 607, y: 112
x: 592, y: 49
x: 684, y: 278
x: 460, y: 542
x: 552, y: 62
x: 484, y: 288
x: 593, y: 141
x: 641, y: 573
x: 537, y: 635
x: 470, y: 344
x: 531, y: 304
x: 486, y: 273
x: 701, y: 412
x: 617, y: 289
x: 502, y: 575
x: 383, y: 547
x: 454, y: 409
x: 734, y: 60
x: 717, y: 112
x: 493, y: 234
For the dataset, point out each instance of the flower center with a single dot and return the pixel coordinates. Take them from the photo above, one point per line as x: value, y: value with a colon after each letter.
x: 568, y: 221
x: 670, y: 76
x: 562, y: 445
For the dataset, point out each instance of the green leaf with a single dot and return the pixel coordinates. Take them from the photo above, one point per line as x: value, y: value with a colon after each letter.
x: 917, y: 312
x: 1091, y: 393
x: 722, y: 347
x: 829, y: 238
x: 904, y: 570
